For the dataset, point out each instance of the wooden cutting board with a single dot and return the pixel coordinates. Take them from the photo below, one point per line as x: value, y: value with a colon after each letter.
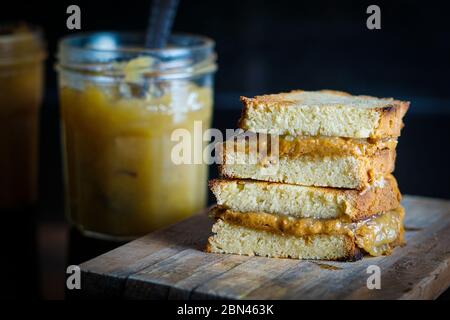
x: 171, y: 263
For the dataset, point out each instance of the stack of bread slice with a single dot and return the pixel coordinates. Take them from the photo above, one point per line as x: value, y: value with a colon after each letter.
x: 317, y: 182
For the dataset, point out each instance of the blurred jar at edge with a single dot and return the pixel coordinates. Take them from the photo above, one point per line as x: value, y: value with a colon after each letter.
x: 119, y: 105
x: 22, y: 54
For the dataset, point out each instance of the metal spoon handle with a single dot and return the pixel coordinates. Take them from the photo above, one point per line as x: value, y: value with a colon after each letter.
x: 162, y: 14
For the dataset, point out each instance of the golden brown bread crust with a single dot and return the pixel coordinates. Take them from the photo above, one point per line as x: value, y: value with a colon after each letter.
x: 382, y: 162
x: 282, y: 100
x: 391, y: 115
x: 373, y: 200
x: 391, y: 119
x: 208, y: 246
x: 361, y: 204
x: 353, y: 252
x: 244, y: 114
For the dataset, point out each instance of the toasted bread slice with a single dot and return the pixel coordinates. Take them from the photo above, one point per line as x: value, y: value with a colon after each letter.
x: 323, y: 113
x: 353, y: 168
x: 284, y: 237
x: 306, y: 202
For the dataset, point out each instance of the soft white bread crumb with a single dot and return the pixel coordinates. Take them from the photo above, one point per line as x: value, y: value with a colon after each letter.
x: 331, y: 171
x: 235, y: 239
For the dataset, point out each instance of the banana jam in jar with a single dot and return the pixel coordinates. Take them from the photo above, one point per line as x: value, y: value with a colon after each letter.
x: 22, y: 54
x: 120, y: 104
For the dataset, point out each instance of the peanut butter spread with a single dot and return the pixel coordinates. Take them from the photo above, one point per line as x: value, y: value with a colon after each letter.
x: 325, y: 146
x: 293, y: 147
x: 374, y: 234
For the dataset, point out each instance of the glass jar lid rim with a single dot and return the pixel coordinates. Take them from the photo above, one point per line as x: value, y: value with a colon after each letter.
x: 104, y: 42
x: 116, y: 53
x: 21, y: 43
x: 32, y: 33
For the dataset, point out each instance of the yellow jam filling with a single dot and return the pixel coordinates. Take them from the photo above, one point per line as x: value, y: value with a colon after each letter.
x: 375, y: 234
x: 293, y: 147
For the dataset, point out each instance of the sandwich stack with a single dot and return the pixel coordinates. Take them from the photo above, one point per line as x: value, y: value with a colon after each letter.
x: 323, y: 187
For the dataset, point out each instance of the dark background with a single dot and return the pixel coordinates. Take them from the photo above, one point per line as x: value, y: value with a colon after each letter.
x: 265, y: 46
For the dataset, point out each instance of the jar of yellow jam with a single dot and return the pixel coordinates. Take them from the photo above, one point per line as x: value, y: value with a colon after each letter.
x: 120, y: 104
x: 22, y: 57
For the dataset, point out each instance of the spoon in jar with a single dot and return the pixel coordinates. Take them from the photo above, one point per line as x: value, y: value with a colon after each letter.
x: 162, y: 14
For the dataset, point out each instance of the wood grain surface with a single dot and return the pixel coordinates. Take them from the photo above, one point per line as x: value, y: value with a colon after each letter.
x: 171, y: 264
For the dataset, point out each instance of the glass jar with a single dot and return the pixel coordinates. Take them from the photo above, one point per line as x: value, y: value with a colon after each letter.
x: 120, y: 104
x: 21, y: 84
